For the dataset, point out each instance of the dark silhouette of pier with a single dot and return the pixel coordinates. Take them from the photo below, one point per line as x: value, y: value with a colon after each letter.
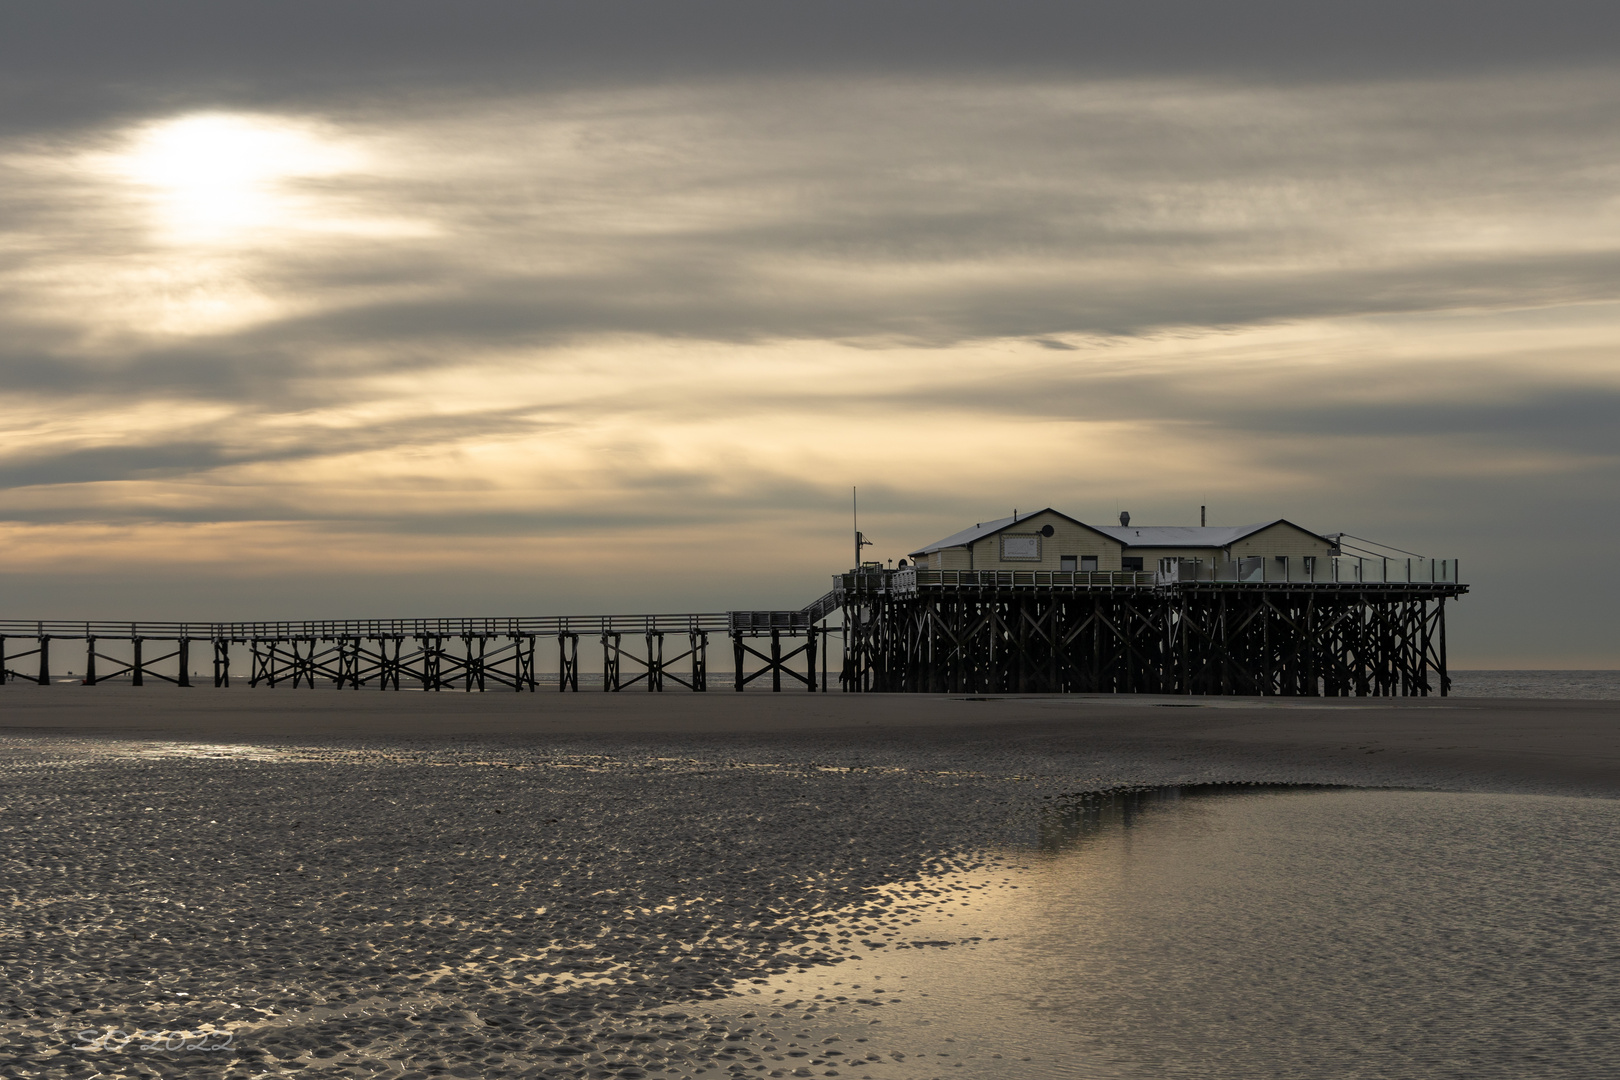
x: 1340, y: 627
x: 1352, y: 627
x: 638, y: 651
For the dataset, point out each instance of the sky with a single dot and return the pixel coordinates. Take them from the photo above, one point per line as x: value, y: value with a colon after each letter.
x: 396, y: 308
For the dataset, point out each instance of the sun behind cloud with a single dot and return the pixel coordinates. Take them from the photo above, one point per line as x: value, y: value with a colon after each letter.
x: 184, y: 226
x: 219, y: 178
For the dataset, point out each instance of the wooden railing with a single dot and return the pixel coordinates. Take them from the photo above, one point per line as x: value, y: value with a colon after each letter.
x: 1311, y: 570
x: 332, y: 629
x: 905, y: 582
x: 1294, y: 570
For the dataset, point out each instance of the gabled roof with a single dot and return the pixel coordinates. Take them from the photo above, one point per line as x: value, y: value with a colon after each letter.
x: 1191, y: 536
x: 990, y: 528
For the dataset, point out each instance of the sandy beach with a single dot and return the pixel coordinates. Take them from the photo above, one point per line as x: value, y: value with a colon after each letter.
x: 410, y: 885
x: 1567, y: 747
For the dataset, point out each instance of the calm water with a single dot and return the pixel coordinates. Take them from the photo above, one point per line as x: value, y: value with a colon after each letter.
x: 1272, y: 934
x: 1590, y: 685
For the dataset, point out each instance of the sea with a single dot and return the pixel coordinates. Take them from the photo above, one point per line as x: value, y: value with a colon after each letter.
x: 1603, y: 685
x: 1585, y: 685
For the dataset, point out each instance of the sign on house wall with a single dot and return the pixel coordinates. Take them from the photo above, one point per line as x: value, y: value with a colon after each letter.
x: 1021, y: 547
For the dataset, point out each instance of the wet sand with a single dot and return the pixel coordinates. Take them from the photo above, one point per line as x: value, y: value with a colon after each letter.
x: 412, y: 885
x: 1562, y: 747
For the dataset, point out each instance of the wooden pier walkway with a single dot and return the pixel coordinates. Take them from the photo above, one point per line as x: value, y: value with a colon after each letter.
x: 1345, y: 626
x: 430, y: 654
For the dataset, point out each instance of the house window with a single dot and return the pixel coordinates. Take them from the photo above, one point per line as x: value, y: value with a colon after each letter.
x: 1310, y: 565
x: 1131, y: 562
x: 1068, y: 563
x: 1088, y: 564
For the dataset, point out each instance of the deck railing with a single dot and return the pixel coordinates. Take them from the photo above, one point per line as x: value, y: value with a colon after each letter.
x: 330, y: 629
x: 904, y: 582
x: 1340, y: 570
x: 784, y: 619
x: 1297, y: 570
x: 1311, y: 570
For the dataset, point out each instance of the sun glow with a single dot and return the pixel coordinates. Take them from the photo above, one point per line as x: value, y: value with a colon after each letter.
x: 205, y: 207
x: 222, y: 177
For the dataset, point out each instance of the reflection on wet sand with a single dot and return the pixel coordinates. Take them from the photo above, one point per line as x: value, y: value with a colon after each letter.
x: 584, y: 909
x: 1070, y: 822
x: 1261, y: 931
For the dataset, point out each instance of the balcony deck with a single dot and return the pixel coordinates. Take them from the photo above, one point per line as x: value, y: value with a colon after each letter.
x: 1338, y: 572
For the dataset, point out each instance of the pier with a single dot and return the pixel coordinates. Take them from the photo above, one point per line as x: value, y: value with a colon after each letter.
x: 1338, y: 626
x: 648, y: 652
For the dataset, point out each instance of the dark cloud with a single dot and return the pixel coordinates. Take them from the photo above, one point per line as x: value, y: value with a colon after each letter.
x: 173, y: 52
x: 229, y: 443
x: 928, y: 213
x: 149, y: 462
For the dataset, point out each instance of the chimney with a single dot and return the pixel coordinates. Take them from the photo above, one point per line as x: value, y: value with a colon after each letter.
x: 1124, y: 518
x: 1201, y: 521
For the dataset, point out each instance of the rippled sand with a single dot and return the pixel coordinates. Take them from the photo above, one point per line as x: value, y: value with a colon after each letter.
x: 477, y: 903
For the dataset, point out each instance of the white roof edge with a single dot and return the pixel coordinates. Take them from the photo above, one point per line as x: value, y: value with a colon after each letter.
x: 1210, y: 536
x: 967, y: 536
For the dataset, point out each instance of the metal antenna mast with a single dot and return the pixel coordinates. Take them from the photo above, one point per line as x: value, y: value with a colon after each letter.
x: 860, y: 541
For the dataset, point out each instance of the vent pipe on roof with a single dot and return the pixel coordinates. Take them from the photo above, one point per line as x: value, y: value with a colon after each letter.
x: 1124, y: 518
x: 1201, y: 521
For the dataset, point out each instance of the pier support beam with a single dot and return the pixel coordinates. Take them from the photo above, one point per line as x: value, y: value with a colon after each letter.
x: 777, y: 663
x: 699, y: 642
x: 568, y: 662
x: 810, y: 658
x: 388, y: 662
x: 430, y: 655
x: 655, y: 661
x: 1268, y: 639
x: 610, y: 661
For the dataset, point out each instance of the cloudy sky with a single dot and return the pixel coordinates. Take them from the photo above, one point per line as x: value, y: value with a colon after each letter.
x: 389, y: 308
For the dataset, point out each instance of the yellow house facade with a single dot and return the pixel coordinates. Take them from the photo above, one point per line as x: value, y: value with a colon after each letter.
x: 1045, y: 540
x: 1280, y: 539
x: 1049, y: 540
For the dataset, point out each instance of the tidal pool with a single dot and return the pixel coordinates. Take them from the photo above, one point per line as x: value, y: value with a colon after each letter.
x: 1202, y: 932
